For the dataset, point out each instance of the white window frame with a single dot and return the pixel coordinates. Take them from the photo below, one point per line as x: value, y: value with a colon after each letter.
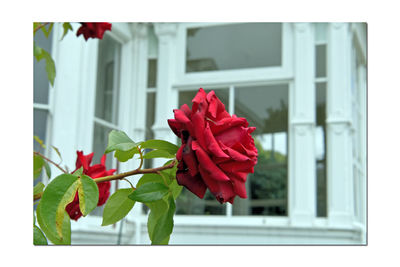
x: 226, y: 77
x: 231, y: 79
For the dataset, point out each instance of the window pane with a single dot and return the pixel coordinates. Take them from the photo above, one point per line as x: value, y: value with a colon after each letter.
x: 265, y: 107
x: 188, y: 203
x: 150, y: 116
x: 40, y: 81
x: 320, y: 61
x: 39, y: 127
x: 320, y: 146
x: 235, y: 46
x: 152, y: 73
x: 100, y: 141
x: 107, y: 80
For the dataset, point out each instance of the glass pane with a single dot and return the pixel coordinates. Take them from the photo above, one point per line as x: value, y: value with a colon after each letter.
x: 39, y: 127
x: 152, y: 43
x: 100, y: 141
x: 150, y: 116
x: 320, y: 61
x: 107, y: 80
x: 40, y: 81
x: 152, y: 73
x: 320, y: 146
x: 188, y: 203
x: 234, y: 46
x: 265, y: 107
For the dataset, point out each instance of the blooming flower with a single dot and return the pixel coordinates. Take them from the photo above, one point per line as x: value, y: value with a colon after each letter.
x: 217, y: 149
x: 94, y: 171
x: 93, y: 29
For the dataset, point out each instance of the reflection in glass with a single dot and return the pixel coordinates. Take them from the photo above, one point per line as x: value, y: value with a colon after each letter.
x: 265, y: 107
x: 152, y: 73
x: 100, y: 141
x: 40, y: 80
x: 234, y: 46
x: 150, y: 116
x: 39, y: 128
x: 107, y: 80
x: 188, y: 203
x: 320, y: 55
x: 320, y: 146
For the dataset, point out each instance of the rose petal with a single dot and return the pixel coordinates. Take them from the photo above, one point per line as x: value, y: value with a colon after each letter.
x: 198, y: 127
x: 209, y: 166
x: 212, y: 144
x: 239, y: 187
x: 227, y: 123
x: 175, y: 127
x: 185, y: 108
x: 232, y: 136
x: 179, y: 153
x: 194, y: 183
x: 233, y: 154
x: 233, y: 166
x: 189, y: 158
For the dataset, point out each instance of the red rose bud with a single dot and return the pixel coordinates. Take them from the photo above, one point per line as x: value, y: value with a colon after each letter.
x: 95, y: 171
x: 217, y: 149
x: 93, y: 29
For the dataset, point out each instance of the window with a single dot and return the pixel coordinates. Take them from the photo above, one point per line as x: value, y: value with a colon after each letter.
x: 41, y: 99
x: 251, y: 45
x: 321, y: 129
x: 107, y: 95
x: 265, y: 107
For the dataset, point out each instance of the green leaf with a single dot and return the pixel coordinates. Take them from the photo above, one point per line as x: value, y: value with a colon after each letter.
x: 118, y: 140
x: 39, y: 141
x: 149, y: 192
x: 157, y: 209
x: 78, y: 172
x: 158, y: 154
x: 40, y: 54
x: 38, y: 163
x: 117, y: 206
x: 47, y: 168
x: 175, y: 188
x: 38, y: 236
x: 51, y: 209
x: 124, y: 156
x: 123, y: 146
x: 149, y: 178
x: 57, y: 151
x: 53, y: 237
x: 88, y: 193
x: 46, y: 31
x: 38, y: 189
x: 161, y: 145
x: 164, y: 224
x: 67, y: 27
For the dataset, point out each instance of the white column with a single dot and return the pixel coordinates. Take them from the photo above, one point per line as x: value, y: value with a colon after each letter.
x: 339, y: 154
x: 75, y: 84
x: 133, y: 103
x: 302, y: 181
x: 166, y: 96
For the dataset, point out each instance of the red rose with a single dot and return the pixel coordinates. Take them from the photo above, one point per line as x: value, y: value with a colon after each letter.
x: 93, y: 29
x: 95, y: 171
x: 217, y: 149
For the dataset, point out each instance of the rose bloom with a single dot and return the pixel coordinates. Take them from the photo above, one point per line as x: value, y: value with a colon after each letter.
x: 217, y: 149
x: 94, y: 171
x: 93, y: 29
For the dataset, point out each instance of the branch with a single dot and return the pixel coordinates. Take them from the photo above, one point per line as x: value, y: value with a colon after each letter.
x: 40, y: 26
x: 49, y: 160
x: 134, y: 172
